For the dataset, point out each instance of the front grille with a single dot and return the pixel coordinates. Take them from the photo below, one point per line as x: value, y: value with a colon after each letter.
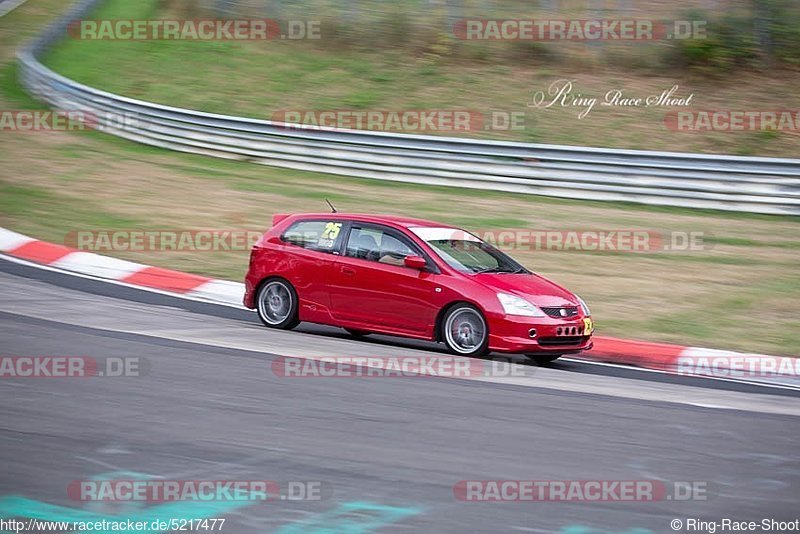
x: 567, y: 331
x: 563, y: 340
x: 555, y: 311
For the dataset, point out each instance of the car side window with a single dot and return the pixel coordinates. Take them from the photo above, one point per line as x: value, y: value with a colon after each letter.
x: 376, y: 245
x: 321, y: 236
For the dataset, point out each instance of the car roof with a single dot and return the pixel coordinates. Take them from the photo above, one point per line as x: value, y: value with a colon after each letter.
x: 407, y: 222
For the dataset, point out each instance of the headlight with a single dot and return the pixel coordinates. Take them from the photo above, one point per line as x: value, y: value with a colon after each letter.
x: 584, y: 307
x: 514, y: 305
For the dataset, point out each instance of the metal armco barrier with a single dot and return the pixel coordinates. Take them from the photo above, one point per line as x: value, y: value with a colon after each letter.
x: 750, y: 184
x: 7, y: 6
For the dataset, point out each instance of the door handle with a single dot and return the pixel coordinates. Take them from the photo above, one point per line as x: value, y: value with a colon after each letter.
x: 348, y: 271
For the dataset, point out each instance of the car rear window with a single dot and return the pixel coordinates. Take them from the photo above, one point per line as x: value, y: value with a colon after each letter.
x: 322, y: 236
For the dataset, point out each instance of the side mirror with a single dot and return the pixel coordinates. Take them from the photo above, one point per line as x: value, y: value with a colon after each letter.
x: 415, y: 262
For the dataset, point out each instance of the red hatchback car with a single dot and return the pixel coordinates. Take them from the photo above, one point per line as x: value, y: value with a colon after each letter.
x: 412, y: 278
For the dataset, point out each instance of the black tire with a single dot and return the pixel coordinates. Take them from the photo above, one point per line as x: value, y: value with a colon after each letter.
x: 277, y: 304
x: 464, y: 331
x: 357, y: 333
x: 543, y: 359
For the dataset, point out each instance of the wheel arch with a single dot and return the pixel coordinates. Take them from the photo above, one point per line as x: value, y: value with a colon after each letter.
x: 269, y: 278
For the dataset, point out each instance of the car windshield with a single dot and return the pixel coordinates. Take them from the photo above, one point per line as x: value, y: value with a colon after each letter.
x: 465, y: 252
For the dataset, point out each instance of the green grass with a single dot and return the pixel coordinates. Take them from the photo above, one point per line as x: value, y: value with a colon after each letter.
x: 19, y: 200
x: 56, y: 211
x: 12, y: 88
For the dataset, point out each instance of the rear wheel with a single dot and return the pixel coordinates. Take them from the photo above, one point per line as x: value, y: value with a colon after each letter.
x: 542, y: 359
x: 276, y: 303
x: 464, y: 331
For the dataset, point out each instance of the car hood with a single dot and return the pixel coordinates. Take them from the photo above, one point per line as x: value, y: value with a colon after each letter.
x: 534, y: 288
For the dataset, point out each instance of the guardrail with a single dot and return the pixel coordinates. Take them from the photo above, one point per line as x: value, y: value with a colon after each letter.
x: 7, y: 6
x: 759, y: 185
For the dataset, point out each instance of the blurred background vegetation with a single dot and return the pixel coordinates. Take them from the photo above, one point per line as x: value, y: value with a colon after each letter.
x: 752, y: 34
x: 391, y: 55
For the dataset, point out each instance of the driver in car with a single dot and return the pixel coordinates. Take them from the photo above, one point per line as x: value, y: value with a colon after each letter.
x: 392, y: 252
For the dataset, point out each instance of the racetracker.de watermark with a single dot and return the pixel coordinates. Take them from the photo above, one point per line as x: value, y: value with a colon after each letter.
x: 782, y: 120
x: 402, y: 120
x: 578, y: 491
x: 162, y: 240
x: 393, y: 367
x: 159, y: 490
x: 578, y: 29
x: 56, y: 366
x: 724, y: 364
x: 600, y: 240
x: 194, y: 29
x: 27, y: 120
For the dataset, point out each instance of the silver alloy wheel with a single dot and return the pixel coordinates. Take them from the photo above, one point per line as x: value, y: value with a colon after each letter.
x: 465, y: 330
x: 274, y: 302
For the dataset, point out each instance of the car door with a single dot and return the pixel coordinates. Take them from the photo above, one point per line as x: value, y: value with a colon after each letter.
x: 371, y: 286
x: 313, y: 245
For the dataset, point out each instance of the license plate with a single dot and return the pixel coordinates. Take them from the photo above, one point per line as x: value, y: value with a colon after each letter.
x: 588, y: 326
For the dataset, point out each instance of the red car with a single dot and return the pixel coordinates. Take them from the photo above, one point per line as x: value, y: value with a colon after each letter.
x: 412, y: 278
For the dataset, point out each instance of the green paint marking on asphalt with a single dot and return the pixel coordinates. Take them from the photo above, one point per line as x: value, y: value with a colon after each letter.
x: 350, y: 518
x: 582, y: 529
x: 17, y: 506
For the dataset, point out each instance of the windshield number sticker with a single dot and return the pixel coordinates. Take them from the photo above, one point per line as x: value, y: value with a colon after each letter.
x: 329, y: 235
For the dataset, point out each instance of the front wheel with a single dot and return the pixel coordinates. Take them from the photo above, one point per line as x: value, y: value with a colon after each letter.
x: 464, y: 331
x: 543, y: 359
x: 276, y: 303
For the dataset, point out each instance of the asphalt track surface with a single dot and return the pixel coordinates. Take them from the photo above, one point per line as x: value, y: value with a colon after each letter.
x: 388, y: 451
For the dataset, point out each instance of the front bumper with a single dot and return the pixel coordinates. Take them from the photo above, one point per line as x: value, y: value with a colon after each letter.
x: 508, y: 333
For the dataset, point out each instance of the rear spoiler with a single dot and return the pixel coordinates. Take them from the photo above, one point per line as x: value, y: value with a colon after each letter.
x: 278, y: 217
